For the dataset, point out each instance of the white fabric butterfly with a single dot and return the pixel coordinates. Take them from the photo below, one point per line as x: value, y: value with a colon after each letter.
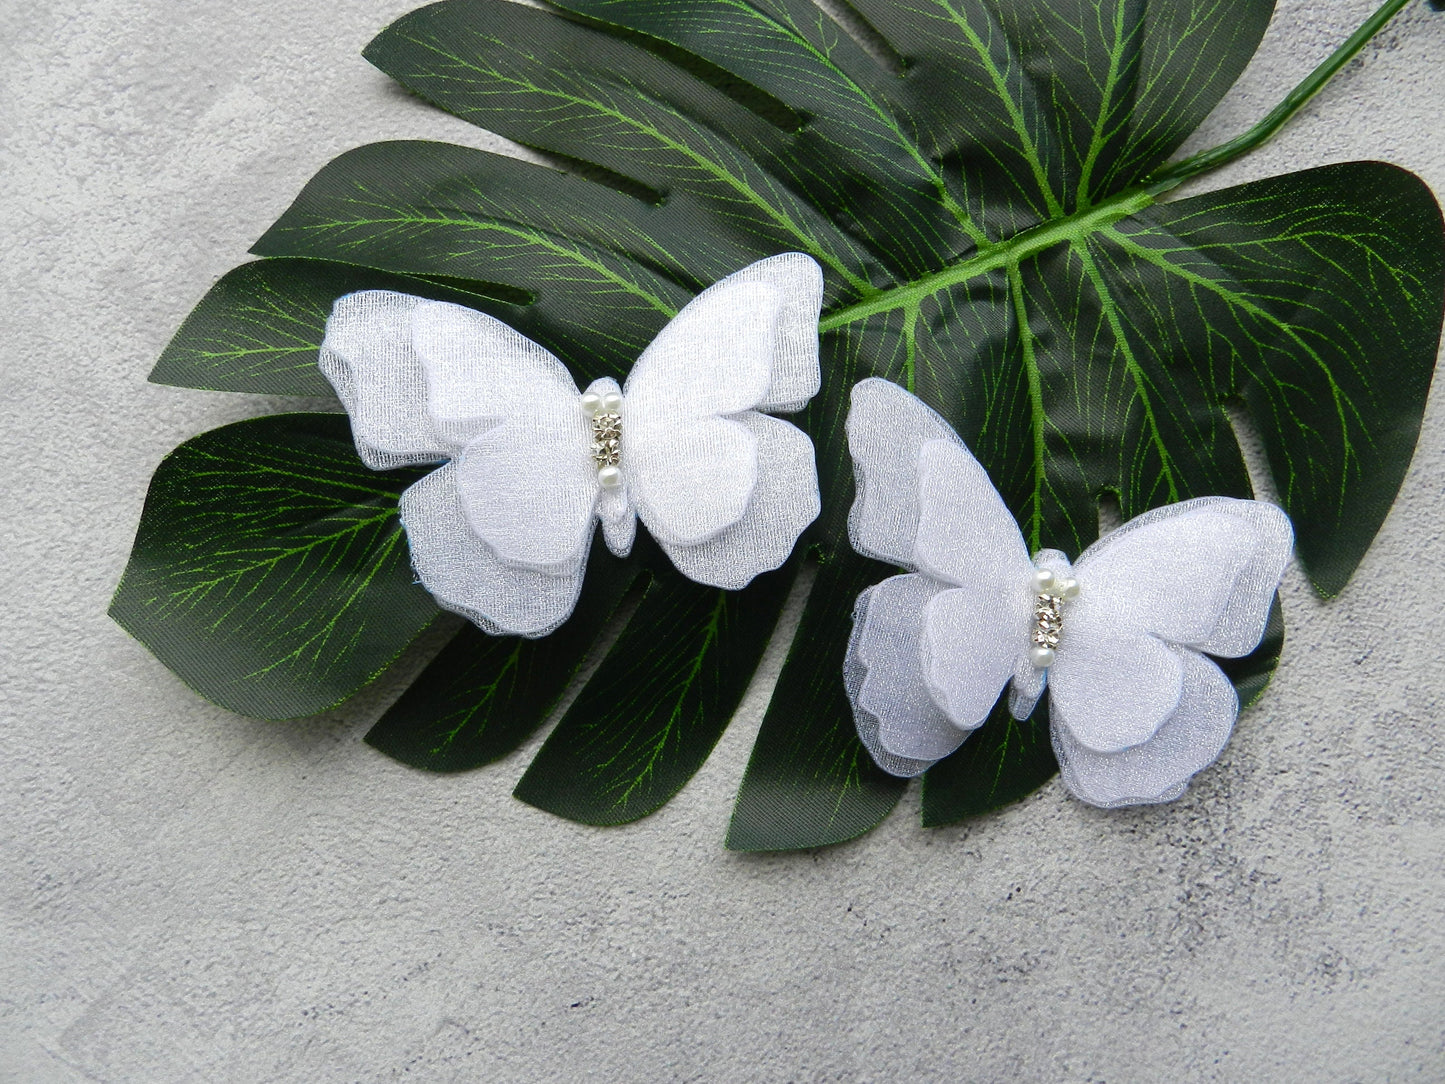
x: 1135, y: 707
x: 500, y: 533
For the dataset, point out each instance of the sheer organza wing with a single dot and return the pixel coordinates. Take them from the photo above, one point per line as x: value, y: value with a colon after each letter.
x: 525, y: 477
x: 783, y: 503
x: 367, y: 355
x: 966, y: 535
x: 1199, y: 575
x: 464, y: 574
x: 899, y: 723
x: 976, y: 633
x: 887, y: 427
x: 1158, y: 769
x: 796, y: 281
x: 749, y: 342
x: 923, y: 501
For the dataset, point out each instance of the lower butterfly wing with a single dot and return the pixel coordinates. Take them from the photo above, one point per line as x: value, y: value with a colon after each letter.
x: 464, y: 574
x: 691, y: 458
x: 1158, y: 769
x: 525, y: 478
x: 1194, y: 577
x: 977, y: 633
x: 899, y: 723
x: 783, y: 502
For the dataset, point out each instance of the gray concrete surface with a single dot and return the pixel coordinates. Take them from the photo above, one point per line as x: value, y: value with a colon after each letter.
x: 190, y: 896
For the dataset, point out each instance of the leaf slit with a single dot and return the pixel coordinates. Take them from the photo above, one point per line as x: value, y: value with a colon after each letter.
x: 1111, y: 515
x: 1251, y: 449
x: 601, y: 645
x: 852, y: 23
x: 607, y: 178
x: 750, y: 97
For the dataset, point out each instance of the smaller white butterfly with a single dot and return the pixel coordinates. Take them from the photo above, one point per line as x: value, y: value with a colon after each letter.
x: 1135, y: 707
x: 500, y: 533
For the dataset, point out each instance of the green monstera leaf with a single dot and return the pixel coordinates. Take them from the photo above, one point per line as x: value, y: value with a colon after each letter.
x: 270, y: 570
x: 983, y: 185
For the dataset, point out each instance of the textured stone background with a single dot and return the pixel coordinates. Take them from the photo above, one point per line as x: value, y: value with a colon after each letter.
x: 191, y: 896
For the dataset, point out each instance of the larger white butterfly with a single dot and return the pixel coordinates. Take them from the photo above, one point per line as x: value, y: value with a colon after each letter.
x: 1135, y: 707
x: 500, y: 533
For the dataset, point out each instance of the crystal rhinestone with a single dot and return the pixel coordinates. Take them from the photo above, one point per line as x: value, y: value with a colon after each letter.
x: 1048, y: 617
x: 606, y: 439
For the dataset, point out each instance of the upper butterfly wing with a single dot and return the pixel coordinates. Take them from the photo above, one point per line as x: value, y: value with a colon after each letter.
x: 368, y: 357
x: 1193, y: 577
x: 974, y: 634
x: 887, y: 427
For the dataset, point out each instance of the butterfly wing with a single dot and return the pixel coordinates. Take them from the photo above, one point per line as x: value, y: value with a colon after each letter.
x: 886, y: 429
x: 1157, y: 770
x: 465, y: 575
x: 1138, y: 705
x: 926, y: 503
x: 367, y: 355
x: 525, y: 476
x: 500, y: 533
x: 974, y: 634
x: 724, y: 489
x: 898, y: 722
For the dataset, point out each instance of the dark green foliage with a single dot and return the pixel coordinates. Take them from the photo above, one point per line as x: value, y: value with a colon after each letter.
x: 483, y: 695
x: 258, y: 328
x: 810, y: 782
x: 1004, y: 760
x: 270, y: 570
x: 658, y: 704
x: 985, y: 201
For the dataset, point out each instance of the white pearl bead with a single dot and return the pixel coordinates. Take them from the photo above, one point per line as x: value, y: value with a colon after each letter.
x: 612, y: 402
x: 1044, y: 580
x: 1070, y: 588
x: 609, y: 477
x: 1042, y: 657
x: 591, y: 402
